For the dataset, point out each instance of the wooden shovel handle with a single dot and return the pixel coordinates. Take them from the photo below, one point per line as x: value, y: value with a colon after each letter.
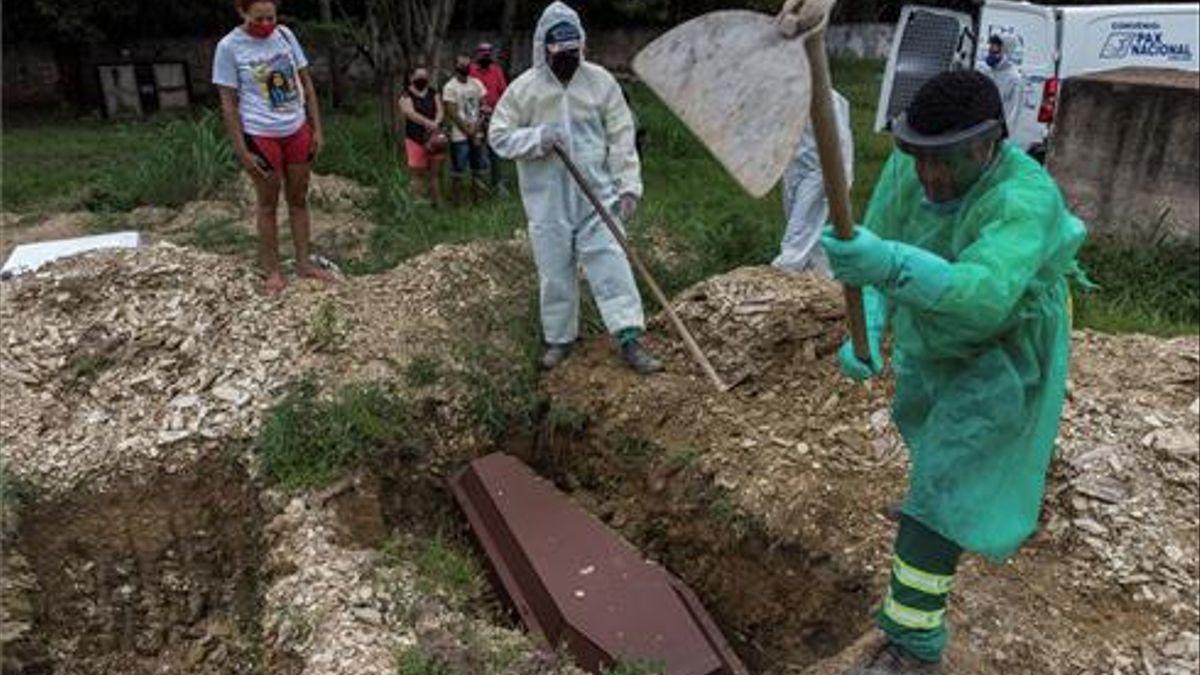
x: 692, y: 347
x: 833, y: 173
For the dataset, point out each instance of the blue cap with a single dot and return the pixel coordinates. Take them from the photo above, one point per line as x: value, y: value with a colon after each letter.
x: 563, y: 31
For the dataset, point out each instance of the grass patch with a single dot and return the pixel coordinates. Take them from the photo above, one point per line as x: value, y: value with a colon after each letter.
x: 500, y: 404
x: 190, y: 159
x: 306, y: 441
x: 565, y: 420
x: 1143, y: 288
x: 84, y: 368
x: 422, y: 371
x: 682, y: 457
x: 54, y: 167
x: 221, y: 235
x: 633, y: 450
x: 447, y: 569
x: 15, y: 493
x: 326, y: 330
x: 414, y: 661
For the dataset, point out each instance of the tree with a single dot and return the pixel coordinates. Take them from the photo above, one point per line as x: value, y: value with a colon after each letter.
x: 394, y: 36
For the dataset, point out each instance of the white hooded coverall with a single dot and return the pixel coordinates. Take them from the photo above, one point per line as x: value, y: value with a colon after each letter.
x: 804, y: 203
x: 563, y: 228
x: 1011, y: 84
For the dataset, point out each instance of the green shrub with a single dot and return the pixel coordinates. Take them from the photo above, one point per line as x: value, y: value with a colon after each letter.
x: 422, y: 371
x: 1152, y: 286
x: 190, y: 159
x: 307, y: 442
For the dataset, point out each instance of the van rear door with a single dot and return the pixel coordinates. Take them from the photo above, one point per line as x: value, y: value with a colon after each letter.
x: 1034, y: 28
x: 928, y: 41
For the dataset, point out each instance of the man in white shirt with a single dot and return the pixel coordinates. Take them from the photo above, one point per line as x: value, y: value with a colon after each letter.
x: 463, y: 96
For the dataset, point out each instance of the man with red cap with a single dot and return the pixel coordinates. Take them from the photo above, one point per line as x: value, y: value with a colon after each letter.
x: 485, y: 69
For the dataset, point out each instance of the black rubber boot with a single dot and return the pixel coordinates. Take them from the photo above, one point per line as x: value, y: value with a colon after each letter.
x: 888, y: 659
x: 637, y: 358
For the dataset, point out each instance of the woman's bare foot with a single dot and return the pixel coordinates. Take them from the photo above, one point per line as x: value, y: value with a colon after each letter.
x: 314, y: 272
x: 275, y: 282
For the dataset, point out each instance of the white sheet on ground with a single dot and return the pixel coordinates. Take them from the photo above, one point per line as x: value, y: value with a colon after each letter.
x: 29, y: 257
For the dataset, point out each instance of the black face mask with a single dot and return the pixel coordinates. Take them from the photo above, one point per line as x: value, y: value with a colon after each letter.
x: 485, y: 61
x: 420, y: 83
x: 564, y: 65
x: 462, y: 71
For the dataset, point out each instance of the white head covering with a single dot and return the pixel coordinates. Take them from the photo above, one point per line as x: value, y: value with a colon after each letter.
x: 554, y: 14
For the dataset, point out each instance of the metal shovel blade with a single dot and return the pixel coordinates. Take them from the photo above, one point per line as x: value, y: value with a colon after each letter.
x: 739, y: 85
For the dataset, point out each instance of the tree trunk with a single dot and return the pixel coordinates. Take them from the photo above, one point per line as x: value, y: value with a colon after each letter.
x: 508, y: 26
x: 336, y: 94
x: 401, y: 33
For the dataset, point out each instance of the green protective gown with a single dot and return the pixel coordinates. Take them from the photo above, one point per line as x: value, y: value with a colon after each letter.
x: 981, y: 375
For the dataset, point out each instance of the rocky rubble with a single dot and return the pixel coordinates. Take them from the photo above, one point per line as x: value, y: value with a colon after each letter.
x: 119, y: 366
x: 116, y: 361
x: 335, y: 607
x: 125, y: 362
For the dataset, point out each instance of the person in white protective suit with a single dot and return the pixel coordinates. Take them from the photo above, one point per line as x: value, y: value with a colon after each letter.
x: 804, y: 203
x: 567, y: 101
x: 1007, y: 76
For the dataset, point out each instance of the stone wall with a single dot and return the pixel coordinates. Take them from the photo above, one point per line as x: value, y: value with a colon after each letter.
x: 1126, y: 151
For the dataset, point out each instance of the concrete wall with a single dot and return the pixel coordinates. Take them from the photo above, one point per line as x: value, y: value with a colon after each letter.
x: 31, y: 73
x: 1126, y: 150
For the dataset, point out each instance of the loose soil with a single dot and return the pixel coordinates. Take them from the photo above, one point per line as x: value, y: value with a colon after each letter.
x: 805, y: 461
x: 158, y: 574
x: 158, y: 549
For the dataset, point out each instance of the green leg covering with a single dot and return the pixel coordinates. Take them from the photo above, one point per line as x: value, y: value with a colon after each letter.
x: 923, y: 565
x: 627, y: 335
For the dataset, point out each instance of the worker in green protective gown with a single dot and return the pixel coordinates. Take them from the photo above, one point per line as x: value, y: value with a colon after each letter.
x: 964, y: 256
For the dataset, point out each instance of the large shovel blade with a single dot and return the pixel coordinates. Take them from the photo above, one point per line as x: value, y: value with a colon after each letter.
x: 739, y: 85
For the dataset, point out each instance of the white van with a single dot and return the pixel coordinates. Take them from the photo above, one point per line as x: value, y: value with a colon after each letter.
x: 1052, y: 44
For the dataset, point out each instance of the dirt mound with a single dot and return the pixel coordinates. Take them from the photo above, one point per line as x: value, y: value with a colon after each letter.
x: 128, y: 374
x: 119, y: 360
x: 135, y: 380
x: 799, y: 456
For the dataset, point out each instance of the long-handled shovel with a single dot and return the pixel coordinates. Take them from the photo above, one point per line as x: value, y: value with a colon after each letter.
x: 688, y: 340
x: 746, y: 84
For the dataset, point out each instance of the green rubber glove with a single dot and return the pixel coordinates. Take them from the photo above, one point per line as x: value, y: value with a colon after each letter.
x: 875, y: 309
x: 862, y: 260
x: 906, y: 273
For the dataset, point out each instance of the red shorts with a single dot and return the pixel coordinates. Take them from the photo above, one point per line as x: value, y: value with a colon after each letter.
x: 418, y: 156
x: 281, y: 152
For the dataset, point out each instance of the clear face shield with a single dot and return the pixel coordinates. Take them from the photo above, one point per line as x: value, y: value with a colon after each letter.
x: 949, y: 164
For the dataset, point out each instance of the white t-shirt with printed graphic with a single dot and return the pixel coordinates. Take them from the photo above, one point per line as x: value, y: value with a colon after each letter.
x: 265, y: 73
x: 467, y: 98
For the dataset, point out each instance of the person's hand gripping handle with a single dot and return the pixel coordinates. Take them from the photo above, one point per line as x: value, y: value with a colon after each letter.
x: 806, y: 19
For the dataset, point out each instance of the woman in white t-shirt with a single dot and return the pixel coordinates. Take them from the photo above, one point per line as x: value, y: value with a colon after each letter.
x: 272, y: 117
